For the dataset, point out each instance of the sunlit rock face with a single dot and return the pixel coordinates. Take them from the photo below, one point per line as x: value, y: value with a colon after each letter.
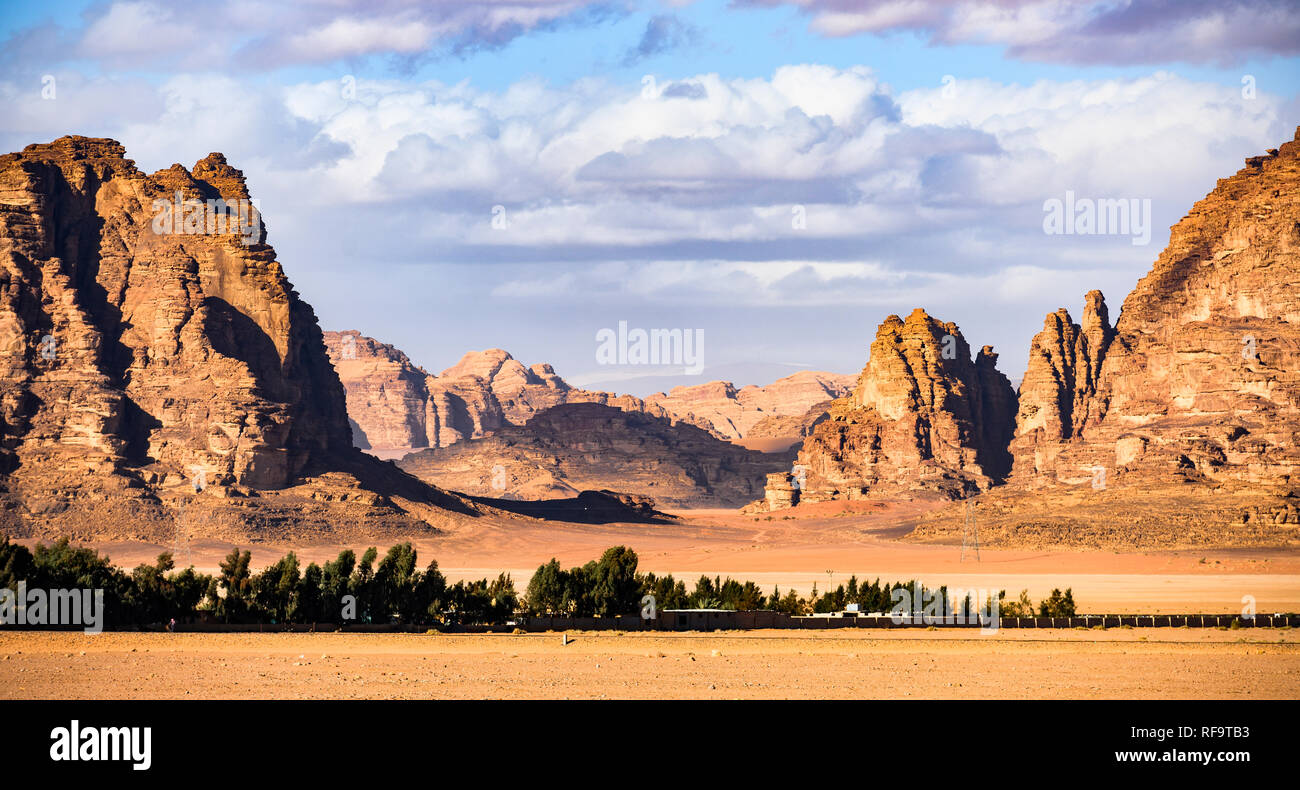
x: 1200, y: 378
x: 150, y: 346
x: 925, y: 416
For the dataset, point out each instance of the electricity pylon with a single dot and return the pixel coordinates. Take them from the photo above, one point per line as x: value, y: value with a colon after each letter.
x: 970, y: 534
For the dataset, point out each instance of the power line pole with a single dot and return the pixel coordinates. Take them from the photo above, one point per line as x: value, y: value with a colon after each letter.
x: 181, y: 538
x: 970, y: 534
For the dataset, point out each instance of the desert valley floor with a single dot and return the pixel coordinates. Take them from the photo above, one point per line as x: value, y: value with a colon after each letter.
x: 797, y: 548
x: 1144, y: 663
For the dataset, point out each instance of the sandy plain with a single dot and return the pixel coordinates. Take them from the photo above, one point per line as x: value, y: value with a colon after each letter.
x: 826, y: 544
x: 1143, y: 663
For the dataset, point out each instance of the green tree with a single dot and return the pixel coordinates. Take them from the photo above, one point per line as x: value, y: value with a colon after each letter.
x: 614, y: 587
x: 236, y: 585
x: 361, y: 585
x: 1057, y: 604
x: 335, y: 577
x: 394, y: 584
x: 430, y: 591
x: 545, y: 593
x: 310, y: 602
x: 275, y: 589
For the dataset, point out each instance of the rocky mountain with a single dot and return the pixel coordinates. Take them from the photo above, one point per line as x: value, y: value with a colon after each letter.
x: 153, y: 354
x: 753, y: 411
x: 1179, y: 425
x: 396, y: 407
x: 791, y: 425
x: 564, y: 449
x: 384, y: 389
x: 1058, y: 395
x: 1199, y: 379
x: 923, y: 417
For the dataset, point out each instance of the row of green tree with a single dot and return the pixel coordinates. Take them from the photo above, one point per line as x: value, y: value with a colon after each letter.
x: 395, y: 590
x: 346, y: 589
x: 611, y: 586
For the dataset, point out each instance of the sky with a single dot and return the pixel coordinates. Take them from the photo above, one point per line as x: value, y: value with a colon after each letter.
x: 771, y: 178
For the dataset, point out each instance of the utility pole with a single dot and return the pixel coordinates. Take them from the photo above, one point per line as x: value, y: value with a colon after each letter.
x: 970, y: 534
x: 181, y: 538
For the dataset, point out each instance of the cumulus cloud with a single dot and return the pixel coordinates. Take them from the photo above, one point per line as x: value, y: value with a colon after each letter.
x: 813, y: 163
x: 817, y: 194
x: 813, y: 157
x: 1076, y: 31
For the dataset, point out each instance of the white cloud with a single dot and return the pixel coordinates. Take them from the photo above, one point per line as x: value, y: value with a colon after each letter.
x: 351, y: 36
x: 1076, y: 31
x: 616, y: 199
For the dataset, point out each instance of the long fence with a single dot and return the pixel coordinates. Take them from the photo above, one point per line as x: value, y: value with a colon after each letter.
x: 742, y: 621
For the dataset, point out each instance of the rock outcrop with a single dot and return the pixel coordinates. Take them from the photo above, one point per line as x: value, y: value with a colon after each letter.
x: 568, y: 448
x: 1180, y: 426
x: 396, y: 407
x: 1200, y: 378
x: 923, y: 417
x: 150, y: 344
x: 791, y: 425
x: 732, y: 413
x: 387, y: 395
x: 1058, y: 396
x: 780, y: 492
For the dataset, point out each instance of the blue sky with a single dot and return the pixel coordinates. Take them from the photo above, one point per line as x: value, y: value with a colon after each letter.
x: 649, y: 157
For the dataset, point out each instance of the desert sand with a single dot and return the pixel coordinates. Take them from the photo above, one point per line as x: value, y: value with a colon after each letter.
x: 798, y: 547
x: 865, y: 664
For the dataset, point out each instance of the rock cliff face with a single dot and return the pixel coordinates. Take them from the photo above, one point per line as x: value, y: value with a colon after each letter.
x: 396, y: 407
x: 1180, y: 426
x: 793, y: 425
x: 923, y: 417
x: 577, y: 446
x: 1200, y: 378
x: 148, y: 339
x: 384, y: 389
x: 751, y: 411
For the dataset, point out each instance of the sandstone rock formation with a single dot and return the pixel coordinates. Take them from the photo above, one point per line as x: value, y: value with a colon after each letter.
x: 387, y: 397
x: 147, y: 346
x: 396, y: 407
x: 1200, y: 378
x: 1058, y: 396
x: 736, y: 414
x: 780, y: 492
x: 1181, y: 425
x: 923, y: 417
x: 576, y: 446
x: 791, y: 425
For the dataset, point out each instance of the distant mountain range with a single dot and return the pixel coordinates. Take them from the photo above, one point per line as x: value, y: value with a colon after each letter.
x: 396, y: 406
